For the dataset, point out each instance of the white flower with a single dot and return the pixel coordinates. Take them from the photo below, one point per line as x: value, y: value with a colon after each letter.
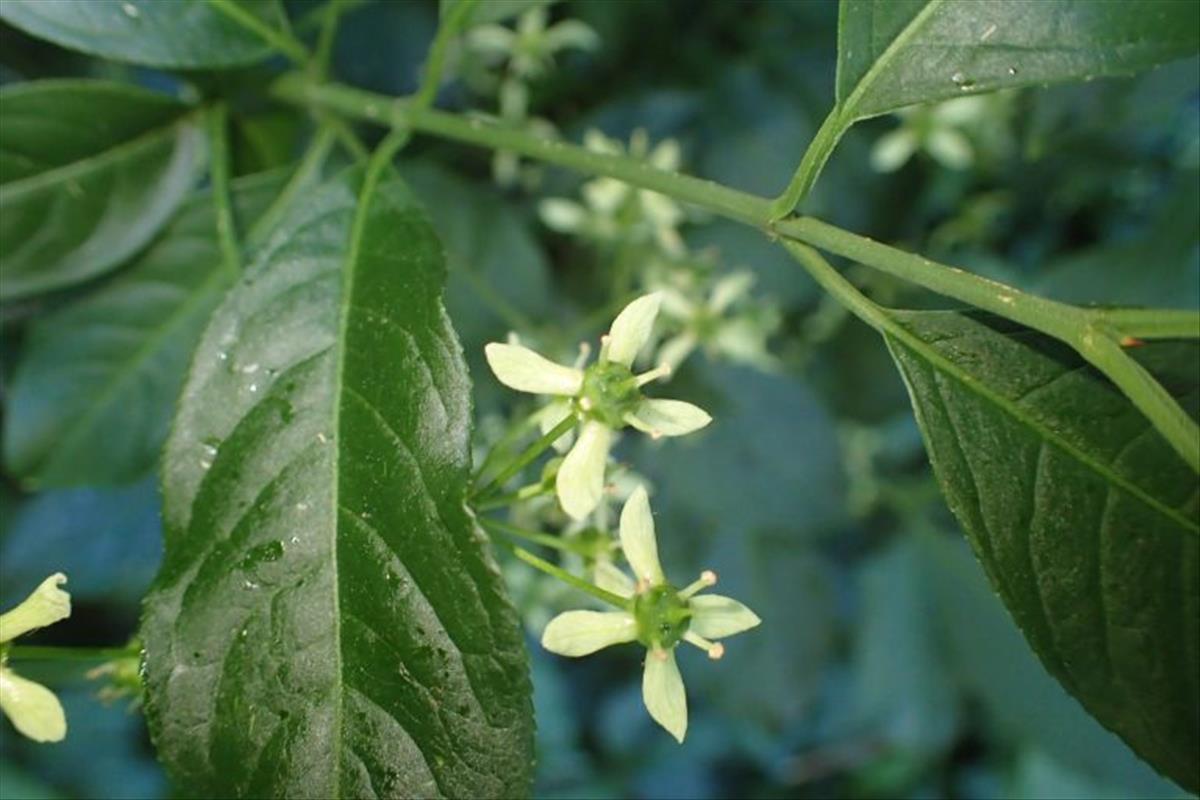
x: 724, y: 331
x: 658, y: 615
x: 615, y: 210
x: 604, y: 397
x: 33, y: 709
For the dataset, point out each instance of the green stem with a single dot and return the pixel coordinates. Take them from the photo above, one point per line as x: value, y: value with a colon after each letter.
x: 47, y: 653
x: 281, y: 41
x: 217, y: 126
x: 304, y: 176
x: 558, y: 572
x: 543, y: 539
x: 384, y: 110
x: 1067, y: 323
x: 1150, y: 323
x: 505, y: 500
x: 526, y: 457
x: 435, y: 64
x: 1059, y: 320
x: 1100, y: 348
x: 325, y: 39
x: 507, y: 439
x: 811, y: 164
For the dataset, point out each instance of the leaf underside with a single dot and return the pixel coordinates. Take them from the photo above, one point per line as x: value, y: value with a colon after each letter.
x: 89, y: 172
x: 91, y: 398
x: 183, y: 34
x: 893, y: 53
x: 1083, y: 517
x: 327, y: 622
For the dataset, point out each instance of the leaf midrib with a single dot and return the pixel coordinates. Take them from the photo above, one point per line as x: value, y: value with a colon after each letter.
x: 16, y: 190
x: 892, y: 328
x: 846, y: 107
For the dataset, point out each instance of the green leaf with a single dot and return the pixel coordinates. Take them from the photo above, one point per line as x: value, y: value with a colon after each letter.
x: 327, y: 621
x: 1083, y: 517
x: 183, y: 34
x: 92, y: 395
x: 486, y: 11
x: 89, y: 172
x: 893, y: 53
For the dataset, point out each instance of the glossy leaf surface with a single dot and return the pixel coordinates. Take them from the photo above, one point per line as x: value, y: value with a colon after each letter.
x: 186, y: 34
x: 92, y: 396
x: 1083, y: 517
x: 89, y: 172
x: 893, y: 53
x: 327, y: 622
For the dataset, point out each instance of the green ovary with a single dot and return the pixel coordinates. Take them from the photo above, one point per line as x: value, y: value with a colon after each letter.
x: 662, y: 617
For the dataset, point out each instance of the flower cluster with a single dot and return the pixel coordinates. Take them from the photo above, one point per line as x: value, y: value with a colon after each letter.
x: 614, y: 211
x: 604, y: 397
x: 526, y: 52
x: 33, y: 709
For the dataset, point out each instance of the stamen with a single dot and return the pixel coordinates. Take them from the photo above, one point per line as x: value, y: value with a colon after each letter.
x: 585, y: 350
x: 706, y: 579
x: 656, y: 434
x: 714, y: 649
x: 661, y: 371
x: 604, y: 340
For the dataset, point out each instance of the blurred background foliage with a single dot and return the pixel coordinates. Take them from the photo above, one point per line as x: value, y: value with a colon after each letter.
x: 885, y: 666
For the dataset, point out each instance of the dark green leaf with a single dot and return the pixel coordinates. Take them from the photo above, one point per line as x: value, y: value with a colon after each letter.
x: 1083, y: 517
x: 893, y: 53
x: 89, y: 172
x: 186, y: 34
x: 491, y: 10
x: 91, y: 398
x: 328, y: 622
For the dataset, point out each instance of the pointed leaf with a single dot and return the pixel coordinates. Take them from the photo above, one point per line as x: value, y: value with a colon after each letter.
x: 327, y: 621
x: 187, y: 34
x: 92, y: 395
x: 893, y: 53
x: 89, y: 172
x: 1083, y: 517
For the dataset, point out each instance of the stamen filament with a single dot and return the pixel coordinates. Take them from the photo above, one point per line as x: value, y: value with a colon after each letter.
x: 714, y: 649
x: 661, y: 371
x: 707, y: 578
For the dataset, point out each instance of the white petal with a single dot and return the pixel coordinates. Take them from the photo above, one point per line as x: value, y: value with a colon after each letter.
x: 33, y: 709
x: 663, y: 694
x: 729, y: 289
x: 526, y: 371
x: 668, y: 417
x: 597, y: 142
x: 580, y: 480
x: 612, y: 578
x: 637, y: 538
x: 45, y: 605
x: 715, y: 616
x: 951, y: 148
x: 577, y: 633
x: 564, y: 216
x: 631, y: 328
x: 666, y: 155
x: 892, y: 150
x: 491, y: 39
x: 605, y: 194
x: 676, y: 350
x: 572, y: 33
